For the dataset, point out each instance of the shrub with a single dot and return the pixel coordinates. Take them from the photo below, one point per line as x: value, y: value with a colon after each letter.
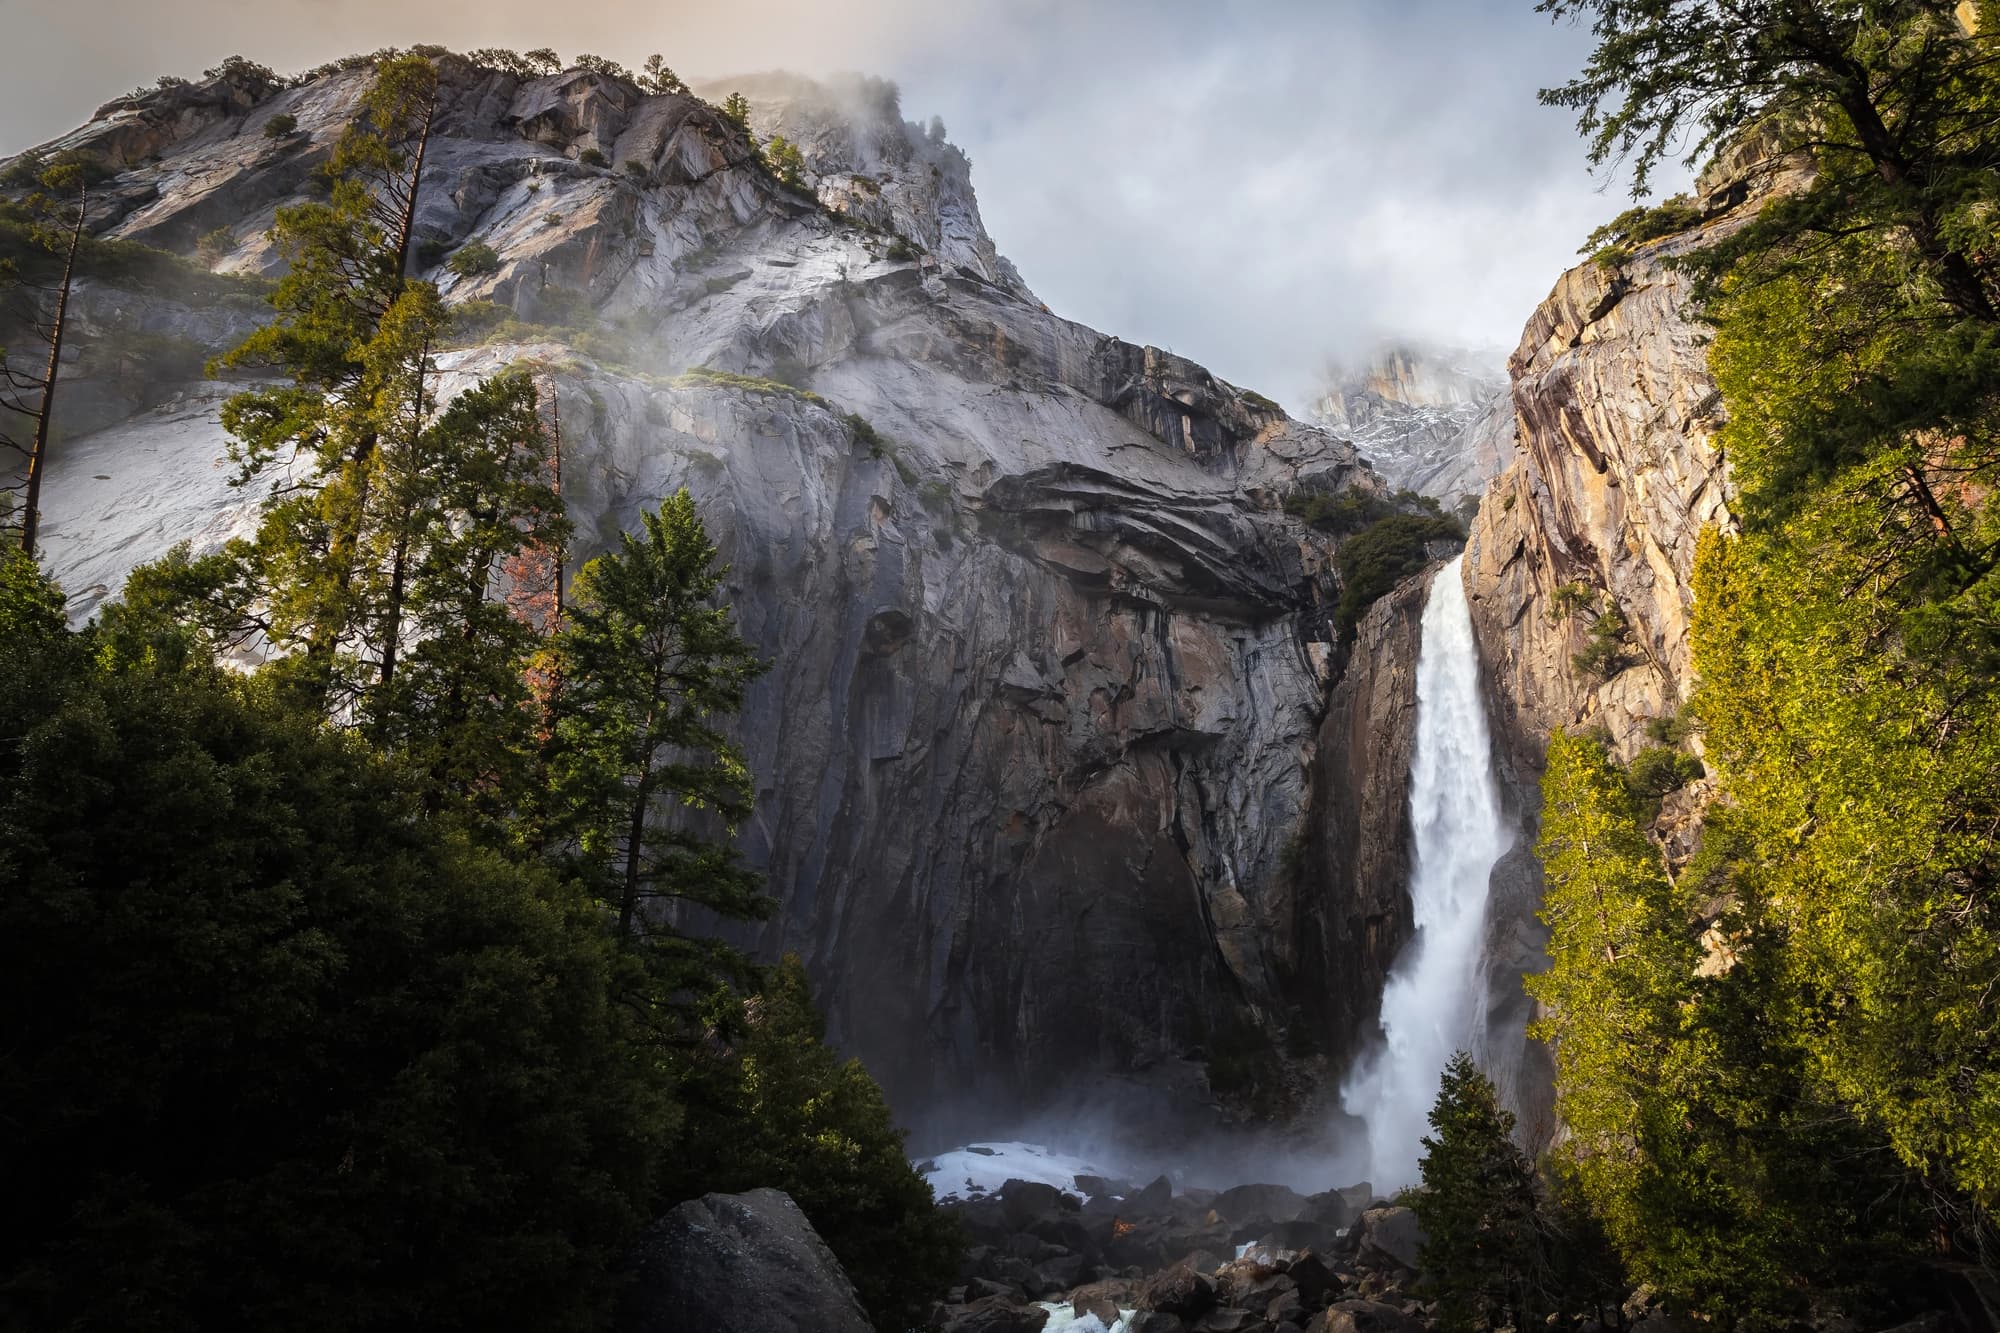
x: 1340, y: 512
x: 1659, y: 770
x: 709, y: 377
x: 213, y: 245
x: 281, y: 126
x: 1603, y: 654
x: 1569, y: 598
x: 636, y: 169
x: 1261, y: 403
x: 781, y: 1110
x: 1612, y: 244
x: 590, y: 157
x: 1375, y: 560
x: 785, y: 161
x: 864, y: 434
x: 902, y: 252
x: 474, y: 259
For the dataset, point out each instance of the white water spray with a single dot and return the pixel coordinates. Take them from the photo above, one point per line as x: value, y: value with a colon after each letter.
x: 1435, y: 1001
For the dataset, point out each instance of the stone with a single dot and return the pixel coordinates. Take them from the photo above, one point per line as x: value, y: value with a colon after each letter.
x: 738, y: 1263
x: 1152, y: 1199
x: 1229, y: 1321
x: 1317, y: 1283
x: 1103, y: 1309
x: 1358, y: 1316
x: 1097, y: 1186
x: 1180, y: 1290
x: 1391, y: 1237
x: 1330, y: 1209
x: 1155, y: 1321
x: 1260, y: 1203
x: 994, y: 1315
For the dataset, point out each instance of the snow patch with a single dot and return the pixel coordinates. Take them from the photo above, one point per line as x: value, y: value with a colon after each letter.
x: 982, y: 1168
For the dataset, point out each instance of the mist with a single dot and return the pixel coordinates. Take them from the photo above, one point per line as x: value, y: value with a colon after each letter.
x: 1262, y: 187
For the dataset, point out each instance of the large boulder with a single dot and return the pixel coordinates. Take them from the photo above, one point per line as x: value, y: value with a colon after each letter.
x: 994, y: 1315
x: 1391, y: 1238
x: 1181, y: 1291
x: 739, y: 1263
x: 1363, y: 1317
x: 1260, y: 1203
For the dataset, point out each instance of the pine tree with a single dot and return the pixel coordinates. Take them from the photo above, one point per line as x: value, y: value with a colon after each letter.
x: 651, y: 670
x: 60, y: 210
x: 736, y: 110
x: 1481, y: 1256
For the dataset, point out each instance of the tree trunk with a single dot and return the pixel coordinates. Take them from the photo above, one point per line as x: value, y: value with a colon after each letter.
x: 407, y: 231
x: 628, y: 903
x: 38, y: 455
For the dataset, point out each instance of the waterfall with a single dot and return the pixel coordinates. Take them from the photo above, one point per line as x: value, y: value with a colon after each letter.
x: 1435, y: 1001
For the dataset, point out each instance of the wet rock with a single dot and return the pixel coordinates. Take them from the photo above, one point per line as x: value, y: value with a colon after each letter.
x: 1156, y: 1321
x: 1152, y: 1199
x: 1391, y: 1237
x: 1181, y: 1290
x: 1260, y: 1203
x: 1102, y: 1308
x: 1358, y: 1316
x: 738, y: 1263
x: 994, y: 1315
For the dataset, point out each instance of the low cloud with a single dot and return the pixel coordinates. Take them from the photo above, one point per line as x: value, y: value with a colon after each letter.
x: 1258, y: 184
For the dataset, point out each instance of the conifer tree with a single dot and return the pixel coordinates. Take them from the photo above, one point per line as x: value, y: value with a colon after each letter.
x: 60, y: 210
x: 647, y: 785
x: 1481, y: 1255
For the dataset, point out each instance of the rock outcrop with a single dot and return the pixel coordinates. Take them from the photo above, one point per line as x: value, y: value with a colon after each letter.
x: 1595, y: 524
x: 1049, y: 716
x: 738, y: 1263
x: 1437, y: 422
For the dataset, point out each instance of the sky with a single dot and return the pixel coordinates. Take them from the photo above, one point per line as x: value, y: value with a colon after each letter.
x: 1262, y: 185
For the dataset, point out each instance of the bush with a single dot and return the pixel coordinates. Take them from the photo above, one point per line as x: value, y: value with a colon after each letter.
x: 781, y: 1110
x: 786, y: 162
x: 708, y: 376
x: 1382, y: 555
x: 1603, y: 654
x: 1658, y: 771
x: 1568, y: 599
x: 281, y: 126
x: 590, y: 157
x: 902, y: 252
x: 474, y: 259
x: 213, y: 245
x: 863, y: 433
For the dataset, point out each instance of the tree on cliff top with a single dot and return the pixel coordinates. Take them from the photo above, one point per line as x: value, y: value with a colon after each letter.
x: 1893, y: 99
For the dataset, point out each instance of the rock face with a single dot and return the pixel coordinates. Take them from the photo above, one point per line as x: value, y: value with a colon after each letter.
x: 739, y: 1263
x: 1437, y: 422
x: 1049, y: 722
x: 1617, y: 476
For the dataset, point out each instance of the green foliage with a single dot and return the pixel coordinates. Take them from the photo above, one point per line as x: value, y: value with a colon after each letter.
x: 281, y: 126
x: 709, y: 377
x: 1570, y: 598
x: 591, y: 157
x: 782, y: 1110
x: 660, y: 81
x: 652, y: 669
x: 1657, y: 771
x: 902, y: 252
x: 784, y: 160
x: 1604, y: 653
x: 279, y: 1054
x: 610, y: 69
x: 1261, y: 403
x: 1481, y: 1259
x: 1382, y: 555
x: 474, y: 259
x: 865, y: 436
x: 1612, y: 243
x: 736, y: 110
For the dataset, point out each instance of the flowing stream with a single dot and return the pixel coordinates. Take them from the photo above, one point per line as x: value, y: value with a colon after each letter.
x: 1435, y: 1001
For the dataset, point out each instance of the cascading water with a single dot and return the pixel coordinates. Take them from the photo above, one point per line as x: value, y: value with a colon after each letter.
x: 1435, y: 1001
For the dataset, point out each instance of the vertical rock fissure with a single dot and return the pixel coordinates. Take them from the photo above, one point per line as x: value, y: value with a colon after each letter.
x: 1435, y: 1000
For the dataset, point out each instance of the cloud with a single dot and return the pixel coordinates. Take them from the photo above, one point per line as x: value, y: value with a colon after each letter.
x: 1258, y: 184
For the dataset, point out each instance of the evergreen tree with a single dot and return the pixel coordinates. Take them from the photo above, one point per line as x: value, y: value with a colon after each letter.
x: 658, y: 80
x: 1481, y: 1257
x: 650, y: 670
x: 276, y: 1051
x: 60, y: 210
x: 736, y: 110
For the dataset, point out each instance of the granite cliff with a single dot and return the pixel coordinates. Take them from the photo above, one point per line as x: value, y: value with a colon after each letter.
x: 1066, y: 781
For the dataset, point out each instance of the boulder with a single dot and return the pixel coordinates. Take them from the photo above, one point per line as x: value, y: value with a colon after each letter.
x: 1102, y: 1186
x: 1156, y: 1321
x: 1024, y: 1201
x: 1316, y: 1282
x: 1152, y: 1199
x: 1230, y: 1321
x: 1390, y: 1237
x: 1259, y: 1203
x: 738, y: 1263
x: 1102, y: 1308
x: 994, y: 1315
x: 1181, y: 1290
x: 1330, y: 1209
x: 1363, y: 1317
